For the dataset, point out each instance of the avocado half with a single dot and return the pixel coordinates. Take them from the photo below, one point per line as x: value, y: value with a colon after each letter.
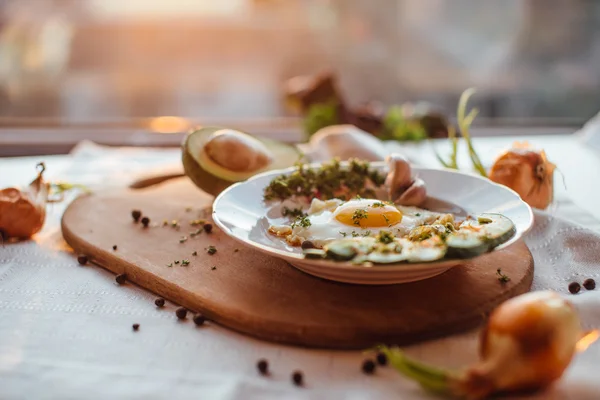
x: 214, y: 178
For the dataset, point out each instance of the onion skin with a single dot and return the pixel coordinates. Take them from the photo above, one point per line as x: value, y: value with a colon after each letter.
x: 22, y: 212
x: 528, y: 173
x: 527, y: 344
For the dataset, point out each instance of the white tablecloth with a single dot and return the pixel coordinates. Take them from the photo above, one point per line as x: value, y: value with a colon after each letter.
x: 65, y: 330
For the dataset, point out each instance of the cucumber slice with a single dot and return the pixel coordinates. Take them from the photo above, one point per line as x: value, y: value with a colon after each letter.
x: 480, y: 235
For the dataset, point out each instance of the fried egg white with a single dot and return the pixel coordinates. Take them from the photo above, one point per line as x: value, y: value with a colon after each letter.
x: 334, y: 219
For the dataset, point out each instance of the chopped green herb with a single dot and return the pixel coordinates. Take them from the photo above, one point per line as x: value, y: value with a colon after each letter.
x: 417, y: 214
x: 355, y: 234
x: 366, y: 233
x: 295, y: 212
x: 183, y: 239
x: 358, y: 215
x: 197, y: 232
x: 387, y: 220
x: 302, y: 221
x: 174, y: 223
x: 502, y: 277
x: 329, y: 181
x: 211, y: 250
x: 165, y: 222
x: 197, y: 222
x: 385, y: 237
x: 378, y: 204
x: 185, y: 263
x: 344, y: 234
x: 170, y: 265
x: 484, y: 220
x: 195, y: 253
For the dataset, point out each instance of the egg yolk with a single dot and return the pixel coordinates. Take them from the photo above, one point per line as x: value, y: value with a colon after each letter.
x: 370, y: 215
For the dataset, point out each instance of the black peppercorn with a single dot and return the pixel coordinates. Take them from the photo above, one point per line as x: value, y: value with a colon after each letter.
x: 298, y: 378
x: 121, y: 278
x: 136, y: 215
x: 135, y: 327
x: 381, y: 359
x: 181, y: 313
x: 263, y: 366
x: 589, y: 284
x: 574, y: 287
x: 146, y: 221
x: 82, y: 260
x: 199, y: 319
x: 368, y: 366
x: 307, y: 244
x: 208, y: 228
x: 160, y: 302
x: 115, y: 247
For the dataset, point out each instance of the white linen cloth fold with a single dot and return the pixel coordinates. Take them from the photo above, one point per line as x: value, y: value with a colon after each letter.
x: 65, y: 330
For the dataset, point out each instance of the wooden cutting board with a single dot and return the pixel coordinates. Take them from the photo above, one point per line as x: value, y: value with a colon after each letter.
x: 267, y: 298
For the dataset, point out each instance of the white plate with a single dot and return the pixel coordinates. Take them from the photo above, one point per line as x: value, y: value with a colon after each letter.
x: 242, y: 214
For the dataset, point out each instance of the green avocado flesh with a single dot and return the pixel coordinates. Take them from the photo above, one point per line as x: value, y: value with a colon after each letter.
x: 212, y: 177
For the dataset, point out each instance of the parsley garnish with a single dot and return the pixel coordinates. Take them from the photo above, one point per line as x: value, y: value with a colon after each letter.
x: 502, y: 277
x: 385, y: 237
x: 211, y: 250
x: 358, y: 215
x: 387, y: 220
x: 302, y: 221
x: 344, y: 234
x: 378, y: 204
x: 355, y: 234
x: 185, y: 263
x: 366, y: 233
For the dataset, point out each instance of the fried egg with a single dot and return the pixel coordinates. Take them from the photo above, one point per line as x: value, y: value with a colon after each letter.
x: 333, y: 219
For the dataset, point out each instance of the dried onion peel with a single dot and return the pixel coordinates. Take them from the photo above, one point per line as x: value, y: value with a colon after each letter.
x: 528, y: 172
x: 22, y: 212
x: 527, y: 344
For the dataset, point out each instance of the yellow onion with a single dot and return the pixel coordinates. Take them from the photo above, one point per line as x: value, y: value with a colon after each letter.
x: 528, y: 343
x: 528, y: 172
x: 22, y: 212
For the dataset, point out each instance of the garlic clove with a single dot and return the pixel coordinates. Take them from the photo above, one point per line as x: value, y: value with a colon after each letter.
x: 415, y: 195
x: 343, y: 142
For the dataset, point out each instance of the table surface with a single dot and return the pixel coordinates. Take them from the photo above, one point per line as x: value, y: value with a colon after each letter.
x: 66, y: 330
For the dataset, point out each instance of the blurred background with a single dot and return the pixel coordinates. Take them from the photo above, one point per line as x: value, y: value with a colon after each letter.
x: 127, y: 71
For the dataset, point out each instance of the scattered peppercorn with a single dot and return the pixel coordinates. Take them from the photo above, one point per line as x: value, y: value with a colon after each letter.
x: 213, y: 267
x: 160, y: 302
x: 121, y: 278
x: 176, y: 261
x: 574, y: 287
x: 208, y: 228
x: 145, y: 222
x: 195, y: 253
x: 589, y: 284
x: 115, y: 247
x: 381, y: 359
x: 211, y: 250
x: 263, y: 366
x: 307, y: 244
x: 136, y: 215
x: 502, y: 277
x: 368, y: 366
x: 236, y: 250
x: 199, y: 319
x: 181, y: 313
x: 136, y: 327
x: 82, y: 260
x: 297, y: 378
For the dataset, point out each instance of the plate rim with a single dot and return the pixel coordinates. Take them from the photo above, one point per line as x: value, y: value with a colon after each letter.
x: 345, y: 265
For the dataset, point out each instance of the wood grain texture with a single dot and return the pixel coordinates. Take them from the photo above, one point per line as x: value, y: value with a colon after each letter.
x: 269, y: 299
